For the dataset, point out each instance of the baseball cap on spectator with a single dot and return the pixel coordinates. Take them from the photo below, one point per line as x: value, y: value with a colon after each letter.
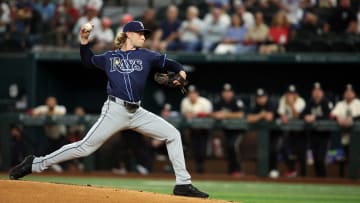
x: 227, y: 87
x: 192, y: 88
x: 167, y: 106
x: 291, y: 89
x: 135, y: 26
x: 317, y: 85
x: 349, y: 87
x: 261, y: 92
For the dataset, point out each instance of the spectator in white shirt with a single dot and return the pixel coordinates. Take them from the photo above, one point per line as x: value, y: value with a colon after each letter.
x: 190, y: 30
x: 55, y: 133
x: 91, y: 16
x: 104, y: 37
x: 195, y: 106
x: 291, y: 105
x: 215, y: 26
x: 4, y: 16
x: 346, y: 112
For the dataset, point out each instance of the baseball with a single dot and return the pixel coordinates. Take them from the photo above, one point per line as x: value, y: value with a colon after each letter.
x: 88, y: 27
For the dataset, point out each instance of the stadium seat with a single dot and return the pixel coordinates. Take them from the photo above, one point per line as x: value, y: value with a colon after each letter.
x: 297, y: 45
x: 320, y: 45
x: 343, y: 46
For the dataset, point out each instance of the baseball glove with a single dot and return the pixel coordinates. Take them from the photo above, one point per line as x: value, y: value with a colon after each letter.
x: 167, y: 79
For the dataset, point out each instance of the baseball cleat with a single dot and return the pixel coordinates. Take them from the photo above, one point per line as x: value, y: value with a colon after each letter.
x: 189, y: 190
x: 22, y: 169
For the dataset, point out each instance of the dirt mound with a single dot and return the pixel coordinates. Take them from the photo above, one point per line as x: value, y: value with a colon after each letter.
x: 31, y: 192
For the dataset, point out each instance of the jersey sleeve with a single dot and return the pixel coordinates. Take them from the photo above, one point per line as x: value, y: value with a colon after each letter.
x: 90, y: 60
x: 336, y: 111
x: 162, y: 63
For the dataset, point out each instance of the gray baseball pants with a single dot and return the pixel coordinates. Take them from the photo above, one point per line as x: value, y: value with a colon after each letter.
x: 115, y: 117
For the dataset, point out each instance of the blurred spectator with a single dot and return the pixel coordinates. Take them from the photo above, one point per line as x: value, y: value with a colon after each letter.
x: 47, y: 9
x: 4, y: 17
x: 318, y: 108
x: 310, y: 26
x: 291, y: 105
x: 132, y: 153
x: 153, y: 41
x: 196, y: 106
x: 246, y: 16
x: 98, y: 4
x: 81, y: 5
x: 215, y: 25
x: 230, y: 107
x: 265, y: 111
x: 103, y: 37
x: 327, y: 3
x: 91, y: 15
x: 64, y: 20
x: 255, y: 36
x: 55, y: 133
x: 224, y: 3
x: 346, y: 112
x: 190, y: 30
x: 279, y: 34
x: 268, y: 7
x: 235, y: 35
x: 158, y: 147
x: 75, y: 133
x: 18, y: 148
x: 167, y: 112
x: 18, y: 97
x: 358, y: 20
x: 123, y: 20
x: 293, y: 10
x: 343, y: 19
x: 170, y: 29
x: 25, y: 27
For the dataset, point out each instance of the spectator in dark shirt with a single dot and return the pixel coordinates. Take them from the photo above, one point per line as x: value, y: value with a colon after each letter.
x: 154, y: 38
x: 230, y: 107
x: 18, y: 147
x: 311, y: 25
x: 170, y: 29
x: 318, y: 108
x: 265, y: 111
x: 343, y: 19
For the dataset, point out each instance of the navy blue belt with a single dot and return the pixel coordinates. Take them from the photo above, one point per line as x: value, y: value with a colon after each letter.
x: 131, y: 107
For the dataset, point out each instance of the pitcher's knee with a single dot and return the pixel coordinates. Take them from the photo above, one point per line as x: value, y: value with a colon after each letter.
x: 174, y: 135
x: 82, y: 151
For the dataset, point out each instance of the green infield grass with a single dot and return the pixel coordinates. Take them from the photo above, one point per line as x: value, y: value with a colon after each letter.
x: 235, y: 191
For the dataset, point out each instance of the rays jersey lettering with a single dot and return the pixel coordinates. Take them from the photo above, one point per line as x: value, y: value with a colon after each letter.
x: 125, y: 65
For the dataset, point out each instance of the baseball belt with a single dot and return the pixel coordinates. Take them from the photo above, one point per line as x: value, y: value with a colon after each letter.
x: 130, y: 107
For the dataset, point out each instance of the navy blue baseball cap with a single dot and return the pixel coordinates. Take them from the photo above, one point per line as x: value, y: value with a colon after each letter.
x: 135, y: 26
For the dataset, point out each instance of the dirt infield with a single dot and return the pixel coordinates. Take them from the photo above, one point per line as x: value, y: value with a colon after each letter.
x: 36, y: 192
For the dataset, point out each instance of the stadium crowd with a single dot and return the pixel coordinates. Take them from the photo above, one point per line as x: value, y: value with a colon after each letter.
x: 217, y: 26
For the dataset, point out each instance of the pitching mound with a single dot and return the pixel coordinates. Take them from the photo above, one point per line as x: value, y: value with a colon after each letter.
x: 37, y: 192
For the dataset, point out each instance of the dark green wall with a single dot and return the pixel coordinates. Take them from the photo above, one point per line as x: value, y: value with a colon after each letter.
x: 16, y: 69
x: 74, y: 85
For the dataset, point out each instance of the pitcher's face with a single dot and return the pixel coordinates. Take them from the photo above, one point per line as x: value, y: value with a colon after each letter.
x: 137, y: 39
